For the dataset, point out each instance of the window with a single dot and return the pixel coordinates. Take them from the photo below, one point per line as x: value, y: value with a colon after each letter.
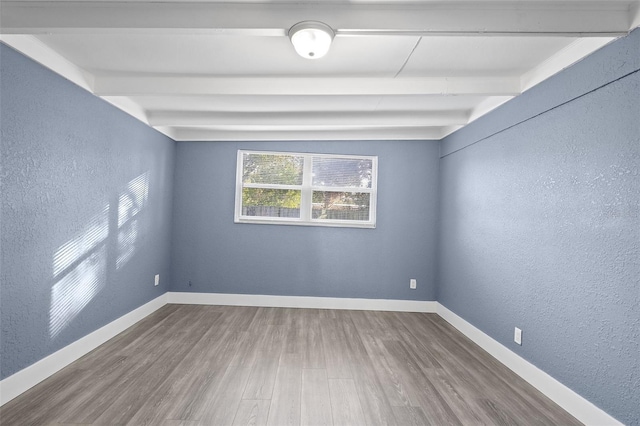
x: 306, y: 189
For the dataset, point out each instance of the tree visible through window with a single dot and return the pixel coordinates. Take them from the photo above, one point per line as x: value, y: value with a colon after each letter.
x: 306, y: 189
x: 266, y: 169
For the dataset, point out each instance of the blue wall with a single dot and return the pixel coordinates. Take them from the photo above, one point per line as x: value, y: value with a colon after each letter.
x: 540, y: 226
x: 217, y: 255
x: 86, y: 208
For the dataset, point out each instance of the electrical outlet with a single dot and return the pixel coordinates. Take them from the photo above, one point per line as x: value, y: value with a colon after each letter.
x: 412, y: 283
x: 517, y: 336
x: 157, y: 279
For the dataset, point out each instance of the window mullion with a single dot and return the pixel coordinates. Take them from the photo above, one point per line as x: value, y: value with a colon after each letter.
x: 342, y: 189
x: 306, y: 196
x: 271, y: 186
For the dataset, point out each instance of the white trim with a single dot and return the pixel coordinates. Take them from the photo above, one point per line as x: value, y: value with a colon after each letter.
x: 247, y: 133
x: 566, y: 398
x: 273, y: 120
x: 152, y: 84
x: 301, y: 302
x: 306, y: 194
x: 25, y: 379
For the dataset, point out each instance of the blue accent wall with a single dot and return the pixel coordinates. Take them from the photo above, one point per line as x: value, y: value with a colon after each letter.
x: 86, y: 212
x: 218, y: 255
x: 540, y: 226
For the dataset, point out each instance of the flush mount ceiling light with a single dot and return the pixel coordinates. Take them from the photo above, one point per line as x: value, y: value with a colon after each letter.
x: 311, y: 39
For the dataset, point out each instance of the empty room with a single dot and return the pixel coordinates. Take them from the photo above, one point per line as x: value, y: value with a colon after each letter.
x: 392, y: 212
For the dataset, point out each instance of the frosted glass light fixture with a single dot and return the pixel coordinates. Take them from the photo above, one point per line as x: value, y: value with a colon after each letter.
x: 311, y: 39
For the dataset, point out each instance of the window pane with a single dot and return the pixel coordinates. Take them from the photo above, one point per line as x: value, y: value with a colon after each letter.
x: 270, y: 202
x: 340, y: 205
x: 274, y: 169
x: 345, y: 172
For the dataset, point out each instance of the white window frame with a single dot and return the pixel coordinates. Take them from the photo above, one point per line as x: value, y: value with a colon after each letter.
x: 307, y: 189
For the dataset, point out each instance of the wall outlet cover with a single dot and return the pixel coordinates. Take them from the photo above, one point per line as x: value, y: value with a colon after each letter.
x: 517, y: 336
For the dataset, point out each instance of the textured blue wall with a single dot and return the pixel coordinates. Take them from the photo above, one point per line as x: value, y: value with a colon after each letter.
x: 217, y: 255
x: 540, y: 228
x: 86, y: 207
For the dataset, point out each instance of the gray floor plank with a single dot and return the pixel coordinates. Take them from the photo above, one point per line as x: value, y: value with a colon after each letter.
x: 222, y: 407
x: 133, y: 397
x: 335, y: 350
x: 391, y: 381
x: 345, y: 404
x: 252, y: 413
x: 422, y: 392
x: 166, y: 422
x: 316, y: 403
x: 411, y: 416
x: 263, y: 376
x: 313, y: 349
x: 183, y: 380
x: 375, y: 406
x: 374, y: 402
x: 286, y: 401
x: 132, y: 372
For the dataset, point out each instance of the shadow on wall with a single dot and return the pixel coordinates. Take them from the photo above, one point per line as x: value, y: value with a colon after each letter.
x: 81, y: 265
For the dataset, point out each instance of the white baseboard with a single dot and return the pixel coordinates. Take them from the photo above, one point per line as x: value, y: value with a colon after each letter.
x: 25, y: 379
x: 302, y: 302
x: 566, y: 398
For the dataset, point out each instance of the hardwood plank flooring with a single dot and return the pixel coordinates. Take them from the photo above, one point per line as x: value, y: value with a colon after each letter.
x: 252, y: 413
x: 316, y: 403
x: 345, y: 403
x: 286, y: 403
x: 221, y: 366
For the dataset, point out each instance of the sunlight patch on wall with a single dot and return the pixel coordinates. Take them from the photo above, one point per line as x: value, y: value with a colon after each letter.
x: 79, y: 267
x: 77, y: 283
x: 131, y: 202
x: 71, y: 294
x: 80, y: 264
x: 94, y: 233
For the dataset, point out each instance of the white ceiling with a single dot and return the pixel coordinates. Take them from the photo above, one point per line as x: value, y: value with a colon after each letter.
x: 397, y: 69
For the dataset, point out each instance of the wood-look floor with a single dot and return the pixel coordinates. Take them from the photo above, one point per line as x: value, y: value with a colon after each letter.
x: 215, y: 365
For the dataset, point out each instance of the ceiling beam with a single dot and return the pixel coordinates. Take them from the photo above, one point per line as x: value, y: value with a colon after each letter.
x: 307, y: 118
x: 138, y: 85
x: 570, y: 18
x: 203, y: 134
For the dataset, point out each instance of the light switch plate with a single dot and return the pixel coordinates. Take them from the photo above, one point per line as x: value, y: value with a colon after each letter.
x: 517, y: 336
